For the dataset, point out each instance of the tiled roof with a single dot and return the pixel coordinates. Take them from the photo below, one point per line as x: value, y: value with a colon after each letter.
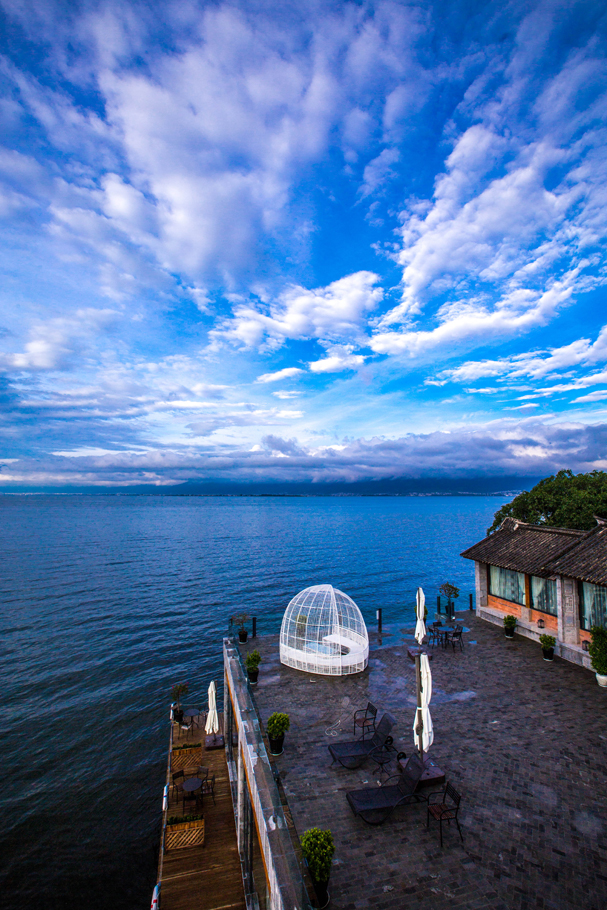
x: 526, y: 548
x: 587, y: 559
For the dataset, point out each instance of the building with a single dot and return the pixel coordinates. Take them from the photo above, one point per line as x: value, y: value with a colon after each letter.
x: 553, y: 580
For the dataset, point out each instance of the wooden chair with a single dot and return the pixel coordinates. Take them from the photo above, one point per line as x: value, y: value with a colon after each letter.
x: 446, y: 810
x: 364, y: 719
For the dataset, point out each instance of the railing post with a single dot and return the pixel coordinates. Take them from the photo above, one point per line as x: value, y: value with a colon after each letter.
x: 378, y: 615
x: 438, y: 603
x: 254, y: 632
x: 471, y: 604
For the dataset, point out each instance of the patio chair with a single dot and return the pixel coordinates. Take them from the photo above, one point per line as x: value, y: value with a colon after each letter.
x: 364, y: 719
x: 208, y: 786
x: 376, y: 804
x: 433, y: 633
x: 178, y: 780
x: 352, y: 754
x: 455, y: 637
x: 446, y: 810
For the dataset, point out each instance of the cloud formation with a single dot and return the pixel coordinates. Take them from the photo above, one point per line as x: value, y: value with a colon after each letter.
x: 391, y: 217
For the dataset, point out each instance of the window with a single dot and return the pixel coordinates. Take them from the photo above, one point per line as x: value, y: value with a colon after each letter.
x: 593, y: 606
x: 543, y: 594
x: 507, y: 584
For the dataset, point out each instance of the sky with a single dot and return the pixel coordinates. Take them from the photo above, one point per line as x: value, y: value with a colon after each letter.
x: 326, y: 242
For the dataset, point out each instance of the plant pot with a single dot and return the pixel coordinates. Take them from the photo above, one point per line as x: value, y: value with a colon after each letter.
x: 276, y: 744
x: 509, y: 633
x: 548, y: 653
x: 322, y: 894
x: 242, y: 635
x: 602, y: 680
x: 253, y: 674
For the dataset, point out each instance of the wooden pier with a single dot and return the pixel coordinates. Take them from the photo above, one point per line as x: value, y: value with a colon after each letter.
x: 206, y: 877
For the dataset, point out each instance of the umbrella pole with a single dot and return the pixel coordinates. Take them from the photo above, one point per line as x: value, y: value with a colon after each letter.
x: 419, y: 729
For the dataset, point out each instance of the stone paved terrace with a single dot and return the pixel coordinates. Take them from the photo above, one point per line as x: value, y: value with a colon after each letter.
x: 523, y: 740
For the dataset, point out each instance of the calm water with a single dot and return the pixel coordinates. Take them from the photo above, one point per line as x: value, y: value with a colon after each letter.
x: 107, y: 601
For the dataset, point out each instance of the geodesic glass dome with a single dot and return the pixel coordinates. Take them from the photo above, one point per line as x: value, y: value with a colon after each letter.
x: 323, y: 631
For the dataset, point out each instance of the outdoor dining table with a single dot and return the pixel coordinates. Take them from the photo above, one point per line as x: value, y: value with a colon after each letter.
x: 443, y: 634
x: 190, y: 786
x: 192, y: 716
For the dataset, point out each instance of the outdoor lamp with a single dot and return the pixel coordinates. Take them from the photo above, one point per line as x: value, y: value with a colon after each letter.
x: 584, y: 645
x: 540, y: 623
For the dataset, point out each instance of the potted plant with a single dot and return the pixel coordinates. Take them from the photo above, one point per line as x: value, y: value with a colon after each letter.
x: 252, y: 662
x: 240, y: 620
x: 547, y: 642
x: 318, y: 848
x: 177, y: 693
x: 451, y: 593
x: 509, y: 624
x: 276, y: 727
x: 598, y: 654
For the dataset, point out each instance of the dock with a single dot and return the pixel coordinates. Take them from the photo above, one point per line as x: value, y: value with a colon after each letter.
x: 522, y: 740
x: 204, y: 876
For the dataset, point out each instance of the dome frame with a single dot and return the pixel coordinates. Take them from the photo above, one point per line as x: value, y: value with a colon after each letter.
x: 323, y: 632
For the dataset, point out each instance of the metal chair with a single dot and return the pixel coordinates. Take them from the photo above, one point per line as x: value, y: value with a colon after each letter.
x: 178, y: 780
x: 433, y: 634
x: 364, y: 719
x: 208, y: 786
x: 455, y: 637
x: 446, y: 810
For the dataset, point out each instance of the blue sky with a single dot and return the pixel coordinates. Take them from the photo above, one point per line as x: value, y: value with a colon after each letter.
x: 292, y: 242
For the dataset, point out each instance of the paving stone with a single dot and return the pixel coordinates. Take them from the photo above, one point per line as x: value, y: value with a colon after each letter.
x: 524, y: 741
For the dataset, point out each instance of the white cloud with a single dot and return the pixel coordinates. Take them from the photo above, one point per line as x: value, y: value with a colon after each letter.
x: 538, y: 364
x: 53, y: 345
x: 337, y: 312
x: 462, y: 323
x: 599, y: 395
x: 339, y: 359
x: 287, y: 373
x: 378, y: 171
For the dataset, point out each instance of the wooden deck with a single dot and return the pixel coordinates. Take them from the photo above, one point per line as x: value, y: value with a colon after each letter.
x: 207, y: 877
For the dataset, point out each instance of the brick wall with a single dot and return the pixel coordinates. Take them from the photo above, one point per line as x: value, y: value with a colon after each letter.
x: 506, y: 606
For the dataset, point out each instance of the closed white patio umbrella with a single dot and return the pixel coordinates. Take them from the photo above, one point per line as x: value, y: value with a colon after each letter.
x: 425, y: 740
x: 422, y: 725
x: 420, y: 627
x: 212, y: 724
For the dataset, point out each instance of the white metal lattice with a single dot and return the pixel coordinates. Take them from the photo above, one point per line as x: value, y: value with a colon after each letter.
x: 323, y: 631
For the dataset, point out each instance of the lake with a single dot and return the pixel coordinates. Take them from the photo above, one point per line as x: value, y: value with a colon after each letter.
x: 107, y: 601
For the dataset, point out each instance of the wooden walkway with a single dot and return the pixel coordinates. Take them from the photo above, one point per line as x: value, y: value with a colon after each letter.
x: 207, y: 877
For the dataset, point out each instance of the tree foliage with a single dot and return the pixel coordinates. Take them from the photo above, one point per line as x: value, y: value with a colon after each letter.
x: 566, y: 500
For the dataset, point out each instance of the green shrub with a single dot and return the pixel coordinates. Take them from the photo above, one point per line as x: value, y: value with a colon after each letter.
x: 318, y: 848
x: 598, y: 650
x: 547, y: 642
x: 449, y: 590
x: 277, y: 725
x: 178, y: 691
x: 253, y: 660
x: 240, y: 620
x: 178, y: 819
x: 509, y: 621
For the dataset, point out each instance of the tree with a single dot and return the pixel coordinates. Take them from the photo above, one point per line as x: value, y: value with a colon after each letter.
x: 566, y: 500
